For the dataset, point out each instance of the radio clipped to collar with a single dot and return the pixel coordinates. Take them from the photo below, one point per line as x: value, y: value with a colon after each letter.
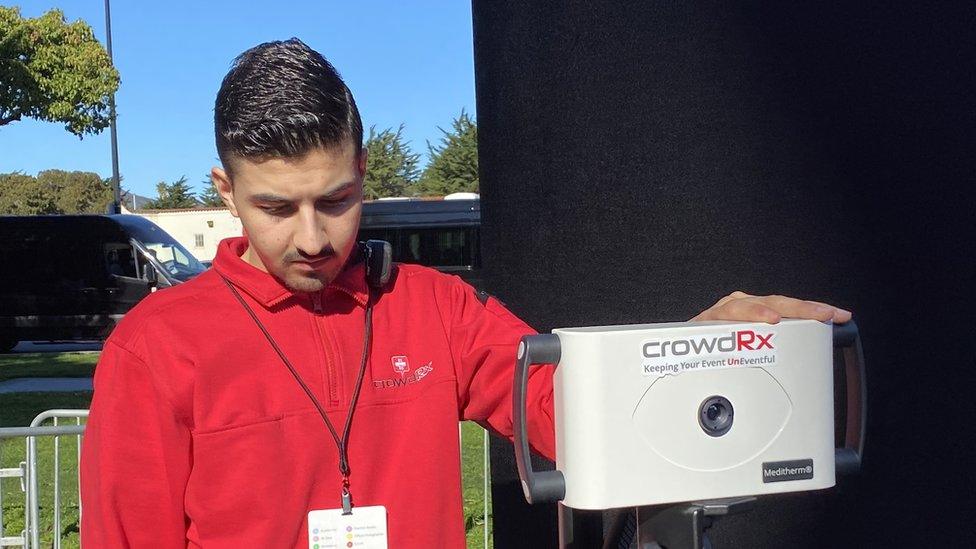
x: 378, y: 255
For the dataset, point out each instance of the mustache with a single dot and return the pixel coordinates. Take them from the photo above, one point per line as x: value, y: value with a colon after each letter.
x: 301, y: 257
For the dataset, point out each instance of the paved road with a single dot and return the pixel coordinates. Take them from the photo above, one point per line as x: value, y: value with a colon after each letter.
x: 46, y: 384
x: 57, y: 346
x: 51, y: 384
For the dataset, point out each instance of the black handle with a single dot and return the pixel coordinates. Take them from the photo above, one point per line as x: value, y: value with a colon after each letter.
x: 538, y: 486
x: 848, y: 459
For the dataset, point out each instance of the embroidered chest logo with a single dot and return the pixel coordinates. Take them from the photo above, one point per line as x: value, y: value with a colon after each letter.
x: 401, y: 366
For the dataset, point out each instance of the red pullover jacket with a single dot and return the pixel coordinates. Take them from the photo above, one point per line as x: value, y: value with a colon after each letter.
x: 200, y: 437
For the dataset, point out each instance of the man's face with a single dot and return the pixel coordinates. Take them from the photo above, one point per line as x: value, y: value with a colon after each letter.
x: 300, y: 214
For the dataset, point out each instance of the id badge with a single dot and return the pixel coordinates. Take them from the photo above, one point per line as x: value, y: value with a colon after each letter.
x: 365, y: 528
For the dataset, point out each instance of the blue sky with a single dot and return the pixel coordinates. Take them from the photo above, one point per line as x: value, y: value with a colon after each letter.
x: 406, y: 62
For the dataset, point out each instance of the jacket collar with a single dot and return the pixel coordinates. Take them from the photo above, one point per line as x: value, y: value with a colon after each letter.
x: 268, y: 290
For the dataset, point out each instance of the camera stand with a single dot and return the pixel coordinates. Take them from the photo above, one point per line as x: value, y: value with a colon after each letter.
x: 683, y: 526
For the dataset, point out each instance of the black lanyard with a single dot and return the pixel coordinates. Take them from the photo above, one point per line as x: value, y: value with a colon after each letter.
x: 341, y: 443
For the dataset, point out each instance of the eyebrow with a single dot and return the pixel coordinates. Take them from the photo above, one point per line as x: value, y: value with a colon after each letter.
x: 275, y: 198
x: 268, y: 197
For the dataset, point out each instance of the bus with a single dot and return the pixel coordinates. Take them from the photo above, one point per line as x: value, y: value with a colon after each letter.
x: 439, y: 233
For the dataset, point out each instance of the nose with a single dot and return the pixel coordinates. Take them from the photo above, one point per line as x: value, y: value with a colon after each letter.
x: 310, y: 236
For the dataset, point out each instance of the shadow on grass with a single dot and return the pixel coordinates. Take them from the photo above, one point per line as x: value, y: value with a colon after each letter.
x: 47, y: 365
x: 19, y: 409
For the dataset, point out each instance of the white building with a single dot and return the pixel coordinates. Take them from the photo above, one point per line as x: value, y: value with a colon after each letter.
x: 197, y: 229
x: 200, y: 229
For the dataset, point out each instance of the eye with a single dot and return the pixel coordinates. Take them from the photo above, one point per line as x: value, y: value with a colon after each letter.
x: 275, y: 210
x: 334, y: 202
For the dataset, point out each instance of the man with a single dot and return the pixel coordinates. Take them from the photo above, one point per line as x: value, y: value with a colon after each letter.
x: 223, y: 410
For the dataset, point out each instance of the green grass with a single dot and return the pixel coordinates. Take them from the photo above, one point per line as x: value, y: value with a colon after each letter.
x: 47, y: 365
x: 473, y: 484
x: 18, y: 409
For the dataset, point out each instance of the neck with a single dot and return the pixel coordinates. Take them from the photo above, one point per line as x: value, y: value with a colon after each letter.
x: 249, y: 256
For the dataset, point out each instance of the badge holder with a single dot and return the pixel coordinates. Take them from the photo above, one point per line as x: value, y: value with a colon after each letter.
x: 362, y: 528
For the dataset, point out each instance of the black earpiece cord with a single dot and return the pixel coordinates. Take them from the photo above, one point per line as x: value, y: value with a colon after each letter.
x: 341, y: 443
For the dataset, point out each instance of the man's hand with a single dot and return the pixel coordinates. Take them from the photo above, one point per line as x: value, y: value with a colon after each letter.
x: 771, y: 308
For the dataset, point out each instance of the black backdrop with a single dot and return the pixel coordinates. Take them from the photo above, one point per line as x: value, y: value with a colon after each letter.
x: 641, y: 159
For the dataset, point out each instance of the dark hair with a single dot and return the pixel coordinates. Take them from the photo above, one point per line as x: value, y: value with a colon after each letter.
x: 283, y: 99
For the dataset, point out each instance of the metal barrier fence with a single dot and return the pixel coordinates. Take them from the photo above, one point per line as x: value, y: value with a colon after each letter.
x: 29, y: 472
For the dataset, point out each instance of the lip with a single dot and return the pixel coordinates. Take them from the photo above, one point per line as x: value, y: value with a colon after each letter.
x: 315, y: 263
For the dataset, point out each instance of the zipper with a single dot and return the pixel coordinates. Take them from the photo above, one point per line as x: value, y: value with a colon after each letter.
x: 324, y: 346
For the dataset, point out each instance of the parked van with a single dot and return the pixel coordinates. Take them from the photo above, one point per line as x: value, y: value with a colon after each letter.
x: 73, y: 276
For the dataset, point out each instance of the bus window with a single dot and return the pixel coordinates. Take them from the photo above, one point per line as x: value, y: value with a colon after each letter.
x: 443, y: 234
x: 446, y: 248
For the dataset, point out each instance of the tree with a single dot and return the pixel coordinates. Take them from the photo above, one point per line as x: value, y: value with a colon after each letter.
x: 21, y: 195
x: 172, y: 196
x: 77, y: 192
x: 391, y: 168
x: 453, y: 165
x: 54, y: 71
x: 210, y: 197
x: 54, y: 192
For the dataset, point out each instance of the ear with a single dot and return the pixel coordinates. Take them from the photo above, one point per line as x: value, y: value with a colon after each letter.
x: 362, y: 163
x: 224, y: 186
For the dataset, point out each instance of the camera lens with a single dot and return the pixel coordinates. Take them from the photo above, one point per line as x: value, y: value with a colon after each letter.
x: 715, y: 416
x: 714, y: 411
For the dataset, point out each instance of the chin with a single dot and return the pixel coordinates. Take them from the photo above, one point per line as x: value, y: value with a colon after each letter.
x: 304, y: 283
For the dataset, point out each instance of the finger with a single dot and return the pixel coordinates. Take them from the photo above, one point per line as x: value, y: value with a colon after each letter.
x: 798, y: 308
x: 840, y: 315
x: 733, y: 296
x: 837, y: 314
x: 745, y: 310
